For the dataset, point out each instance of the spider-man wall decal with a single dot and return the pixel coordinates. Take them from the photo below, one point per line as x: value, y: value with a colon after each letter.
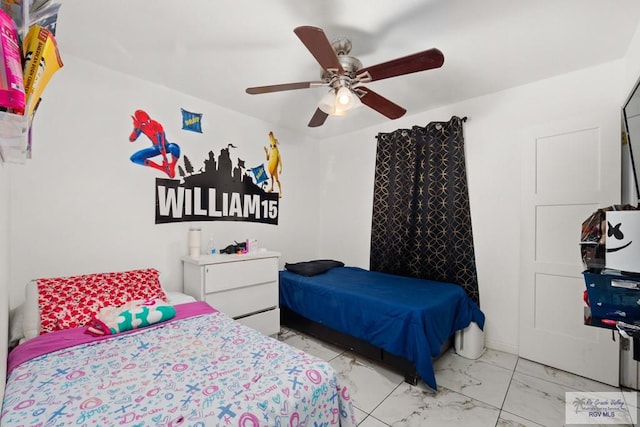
x: 170, y: 151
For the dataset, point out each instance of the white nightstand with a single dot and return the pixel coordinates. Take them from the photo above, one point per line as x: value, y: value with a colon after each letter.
x: 244, y: 287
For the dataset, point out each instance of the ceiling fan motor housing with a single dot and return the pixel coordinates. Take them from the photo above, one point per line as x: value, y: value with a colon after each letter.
x: 350, y: 64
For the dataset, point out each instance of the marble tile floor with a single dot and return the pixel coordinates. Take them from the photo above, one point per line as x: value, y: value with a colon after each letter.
x: 498, y: 390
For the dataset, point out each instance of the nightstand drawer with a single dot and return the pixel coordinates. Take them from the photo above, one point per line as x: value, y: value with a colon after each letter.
x: 267, y: 322
x: 242, y: 301
x: 237, y: 274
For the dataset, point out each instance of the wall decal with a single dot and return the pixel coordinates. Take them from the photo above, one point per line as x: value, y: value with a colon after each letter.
x: 259, y: 174
x: 191, y: 121
x: 217, y: 190
x: 170, y: 151
x: 274, y: 162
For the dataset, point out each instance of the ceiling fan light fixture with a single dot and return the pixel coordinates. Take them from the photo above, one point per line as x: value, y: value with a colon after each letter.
x: 356, y: 100
x: 338, y: 112
x: 328, y: 102
x: 344, y: 98
x: 336, y: 103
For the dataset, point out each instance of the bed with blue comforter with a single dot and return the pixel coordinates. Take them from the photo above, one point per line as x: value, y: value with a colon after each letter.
x: 407, y: 317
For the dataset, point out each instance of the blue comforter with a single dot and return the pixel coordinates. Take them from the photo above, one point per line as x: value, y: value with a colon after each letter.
x: 405, y: 316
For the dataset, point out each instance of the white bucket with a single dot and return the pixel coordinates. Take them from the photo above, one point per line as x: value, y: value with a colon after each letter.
x: 469, y: 342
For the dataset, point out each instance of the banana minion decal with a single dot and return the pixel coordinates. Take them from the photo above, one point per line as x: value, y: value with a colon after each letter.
x: 274, y: 165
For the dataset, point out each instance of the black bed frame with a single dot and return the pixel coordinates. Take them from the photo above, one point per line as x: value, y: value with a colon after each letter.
x: 295, y: 321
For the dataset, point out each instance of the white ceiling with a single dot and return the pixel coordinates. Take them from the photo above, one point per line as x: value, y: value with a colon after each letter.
x: 215, y: 49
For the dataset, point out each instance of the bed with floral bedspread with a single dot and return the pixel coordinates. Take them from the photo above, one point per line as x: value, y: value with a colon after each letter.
x: 201, y: 368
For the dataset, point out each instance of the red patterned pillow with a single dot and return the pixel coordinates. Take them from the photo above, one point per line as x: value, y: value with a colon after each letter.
x: 71, y: 302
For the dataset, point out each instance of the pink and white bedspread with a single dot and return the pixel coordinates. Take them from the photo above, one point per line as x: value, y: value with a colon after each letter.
x: 202, y: 368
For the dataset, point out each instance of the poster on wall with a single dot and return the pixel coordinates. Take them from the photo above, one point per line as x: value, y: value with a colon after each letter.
x: 220, y: 187
x: 191, y: 121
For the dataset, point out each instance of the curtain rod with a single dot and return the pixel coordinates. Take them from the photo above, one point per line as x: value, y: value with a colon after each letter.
x: 463, y: 119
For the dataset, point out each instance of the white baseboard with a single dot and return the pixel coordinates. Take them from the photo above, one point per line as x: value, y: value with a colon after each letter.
x: 501, y: 346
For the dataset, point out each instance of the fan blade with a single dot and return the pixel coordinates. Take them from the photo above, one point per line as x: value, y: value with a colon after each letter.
x: 316, y: 41
x: 318, y: 118
x: 420, y: 61
x: 286, y: 86
x: 381, y: 104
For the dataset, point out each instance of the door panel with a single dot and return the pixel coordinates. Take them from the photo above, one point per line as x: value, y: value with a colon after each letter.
x: 552, y: 293
x: 564, y: 158
x: 558, y: 232
x: 570, y: 169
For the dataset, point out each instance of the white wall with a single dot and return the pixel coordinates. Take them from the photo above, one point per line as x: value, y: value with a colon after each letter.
x: 4, y: 272
x: 493, y: 135
x: 81, y: 206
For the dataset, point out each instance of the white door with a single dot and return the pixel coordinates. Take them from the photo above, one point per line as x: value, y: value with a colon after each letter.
x: 570, y: 169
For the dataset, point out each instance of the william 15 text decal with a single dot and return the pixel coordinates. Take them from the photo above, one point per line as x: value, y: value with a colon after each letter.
x: 218, y: 191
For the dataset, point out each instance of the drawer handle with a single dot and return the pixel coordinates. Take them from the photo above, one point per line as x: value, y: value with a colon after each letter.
x: 627, y: 284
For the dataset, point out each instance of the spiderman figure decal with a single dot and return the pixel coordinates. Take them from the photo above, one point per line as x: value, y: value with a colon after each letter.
x: 170, y: 152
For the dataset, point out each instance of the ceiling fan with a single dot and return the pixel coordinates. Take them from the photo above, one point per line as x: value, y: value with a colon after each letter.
x: 346, y: 77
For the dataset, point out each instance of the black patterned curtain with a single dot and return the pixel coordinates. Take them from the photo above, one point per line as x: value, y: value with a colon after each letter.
x: 421, y: 217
